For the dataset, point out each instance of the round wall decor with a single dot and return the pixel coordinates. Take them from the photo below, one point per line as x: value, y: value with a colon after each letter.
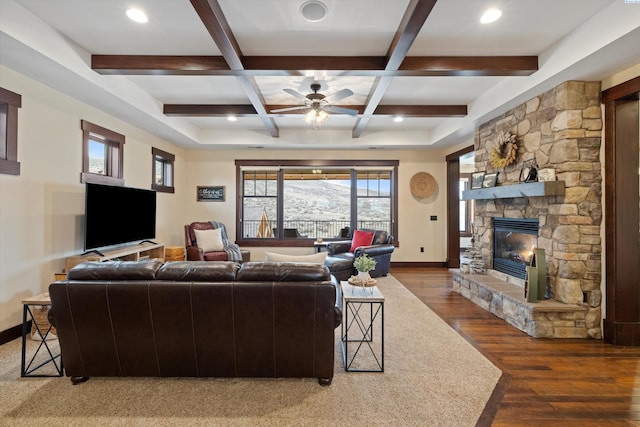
x: 423, y: 185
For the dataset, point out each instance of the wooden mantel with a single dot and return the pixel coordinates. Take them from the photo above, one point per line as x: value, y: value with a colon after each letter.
x: 529, y: 189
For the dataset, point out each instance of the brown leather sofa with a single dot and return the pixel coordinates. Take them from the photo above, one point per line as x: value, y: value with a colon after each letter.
x: 340, y: 258
x: 197, y: 319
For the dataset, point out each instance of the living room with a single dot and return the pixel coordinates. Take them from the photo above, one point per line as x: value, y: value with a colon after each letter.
x: 42, y: 208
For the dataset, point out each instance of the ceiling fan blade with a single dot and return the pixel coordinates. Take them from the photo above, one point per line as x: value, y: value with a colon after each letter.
x: 341, y: 94
x: 295, y: 93
x: 280, y: 110
x: 340, y: 110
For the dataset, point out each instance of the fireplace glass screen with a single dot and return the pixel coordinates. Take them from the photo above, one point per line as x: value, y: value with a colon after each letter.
x: 513, y: 244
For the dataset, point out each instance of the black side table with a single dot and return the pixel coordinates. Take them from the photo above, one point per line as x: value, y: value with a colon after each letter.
x: 26, y: 369
x: 363, y: 309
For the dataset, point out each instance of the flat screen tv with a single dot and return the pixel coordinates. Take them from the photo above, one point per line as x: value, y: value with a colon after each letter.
x: 118, y: 215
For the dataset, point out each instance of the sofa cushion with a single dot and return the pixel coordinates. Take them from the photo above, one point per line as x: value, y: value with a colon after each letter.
x: 318, y: 258
x: 282, y: 272
x: 198, y: 271
x: 115, y: 270
x: 361, y: 238
x: 209, y: 240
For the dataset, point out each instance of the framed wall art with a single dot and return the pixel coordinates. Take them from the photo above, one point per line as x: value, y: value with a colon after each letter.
x: 210, y: 194
x: 476, y: 180
x: 490, y: 180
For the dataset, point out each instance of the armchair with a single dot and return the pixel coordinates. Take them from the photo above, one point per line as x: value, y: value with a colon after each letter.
x: 340, y: 258
x: 229, y: 252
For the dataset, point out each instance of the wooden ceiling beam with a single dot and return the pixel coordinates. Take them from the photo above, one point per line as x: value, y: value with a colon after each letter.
x: 414, y: 18
x: 215, y: 22
x: 209, y: 110
x: 242, y: 110
x: 334, y: 65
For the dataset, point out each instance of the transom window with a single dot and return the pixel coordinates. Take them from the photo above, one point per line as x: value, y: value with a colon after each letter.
x: 162, y: 179
x: 297, y: 202
x: 102, y: 155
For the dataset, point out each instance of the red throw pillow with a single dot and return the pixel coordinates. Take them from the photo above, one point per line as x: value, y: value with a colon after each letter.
x: 361, y: 238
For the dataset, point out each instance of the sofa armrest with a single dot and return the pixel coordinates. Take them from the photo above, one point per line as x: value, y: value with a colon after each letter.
x: 338, y: 247
x: 375, y: 250
x: 338, y: 306
x: 194, y: 253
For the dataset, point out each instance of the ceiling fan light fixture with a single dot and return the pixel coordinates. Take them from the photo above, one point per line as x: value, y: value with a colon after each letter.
x: 313, y: 11
x: 398, y: 119
x: 232, y: 118
x: 315, y: 116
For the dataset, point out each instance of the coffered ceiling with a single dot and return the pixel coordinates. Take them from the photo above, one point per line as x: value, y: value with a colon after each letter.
x: 195, y: 62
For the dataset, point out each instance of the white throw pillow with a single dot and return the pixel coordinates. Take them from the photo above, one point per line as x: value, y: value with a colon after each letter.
x: 314, y: 258
x: 209, y: 240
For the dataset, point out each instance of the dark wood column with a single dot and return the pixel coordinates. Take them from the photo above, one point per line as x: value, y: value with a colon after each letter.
x: 453, y: 207
x: 622, y: 199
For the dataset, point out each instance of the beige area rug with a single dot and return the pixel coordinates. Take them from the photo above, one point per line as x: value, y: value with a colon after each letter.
x: 432, y: 377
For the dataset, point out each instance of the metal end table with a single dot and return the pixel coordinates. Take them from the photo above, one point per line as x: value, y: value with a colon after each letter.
x: 363, y: 308
x: 26, y: 369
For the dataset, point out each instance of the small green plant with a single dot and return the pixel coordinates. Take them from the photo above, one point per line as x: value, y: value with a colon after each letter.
x: 364, y: 263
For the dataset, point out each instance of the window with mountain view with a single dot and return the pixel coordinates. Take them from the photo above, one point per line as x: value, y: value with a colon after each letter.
x: 102, y: 155
x: 299, y: 202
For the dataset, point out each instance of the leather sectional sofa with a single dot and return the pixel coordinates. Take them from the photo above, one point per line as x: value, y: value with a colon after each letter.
x: 340, y: 258
x: 197, y: 319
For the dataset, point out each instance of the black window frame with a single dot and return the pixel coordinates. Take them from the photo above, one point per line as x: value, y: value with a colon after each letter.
x: 278, y: 241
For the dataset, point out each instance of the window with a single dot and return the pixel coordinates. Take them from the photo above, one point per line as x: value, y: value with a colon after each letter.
x: 162, y: 179
x: 9, y: 104
x: 102, y: 155
x: 295, y: 202
x: 466, y: 206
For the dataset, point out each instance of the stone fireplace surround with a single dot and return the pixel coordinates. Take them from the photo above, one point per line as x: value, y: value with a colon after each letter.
x: 561, y: 129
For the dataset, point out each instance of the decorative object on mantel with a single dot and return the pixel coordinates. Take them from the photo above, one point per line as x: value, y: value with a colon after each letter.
x: 476, y: 180
x: 535, y: 284
x: 505, y: 151
x: 547, y: 174
x: 529, y: 171
x: 423, y: 185
x: 490, y: 180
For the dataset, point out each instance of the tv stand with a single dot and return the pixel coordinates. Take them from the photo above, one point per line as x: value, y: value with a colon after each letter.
x: 93, y: 252
x: 143, y: 250
x: 147, y: 241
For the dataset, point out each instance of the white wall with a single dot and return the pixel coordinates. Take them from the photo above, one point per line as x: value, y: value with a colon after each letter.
x: 41, y: 209
x: 415, y: 230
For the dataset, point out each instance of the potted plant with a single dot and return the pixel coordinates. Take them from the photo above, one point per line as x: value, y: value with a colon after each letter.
x: 364, y: 264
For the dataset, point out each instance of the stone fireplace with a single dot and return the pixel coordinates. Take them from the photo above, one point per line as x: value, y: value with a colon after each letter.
x: 561, y: 130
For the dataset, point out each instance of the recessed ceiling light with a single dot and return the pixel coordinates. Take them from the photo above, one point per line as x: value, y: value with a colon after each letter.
x: 313, y: 11
x: 137, y: 15
x: 491, y: 15
x: 232, y: 118
x: 398, y: 119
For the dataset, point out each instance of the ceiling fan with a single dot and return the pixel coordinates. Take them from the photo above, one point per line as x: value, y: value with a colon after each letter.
x: 317, y: 104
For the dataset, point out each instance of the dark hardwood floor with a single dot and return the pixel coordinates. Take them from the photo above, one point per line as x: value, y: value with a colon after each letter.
x: 545, y: 382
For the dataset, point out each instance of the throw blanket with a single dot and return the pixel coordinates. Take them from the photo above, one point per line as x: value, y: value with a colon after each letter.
x: 232, y: 250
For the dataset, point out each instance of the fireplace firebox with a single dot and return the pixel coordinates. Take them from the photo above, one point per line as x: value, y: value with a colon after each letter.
x: 513, y: 242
